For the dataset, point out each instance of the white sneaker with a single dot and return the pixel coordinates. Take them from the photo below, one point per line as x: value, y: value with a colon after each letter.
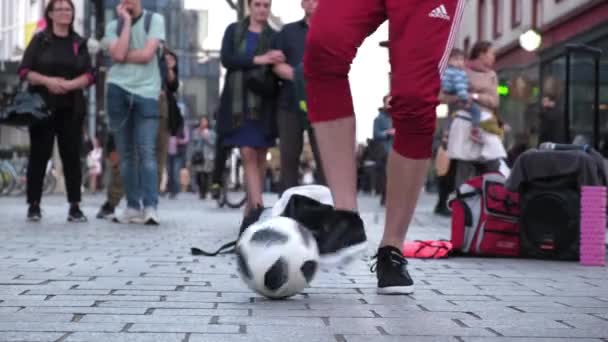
x: 130, y: 215
x: 151, y: 216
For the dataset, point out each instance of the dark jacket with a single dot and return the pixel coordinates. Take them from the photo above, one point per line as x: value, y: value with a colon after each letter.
x: 233, y: 61
x: 39, y: 57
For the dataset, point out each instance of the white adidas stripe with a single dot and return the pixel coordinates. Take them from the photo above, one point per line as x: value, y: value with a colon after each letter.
x: 455, y: 25
x: 450, y: 43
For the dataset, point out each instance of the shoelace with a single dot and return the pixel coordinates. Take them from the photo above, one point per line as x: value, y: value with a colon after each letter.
x: 396, y: 261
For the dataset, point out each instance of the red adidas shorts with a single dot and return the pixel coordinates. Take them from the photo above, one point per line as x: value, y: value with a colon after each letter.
x: 421, y: 35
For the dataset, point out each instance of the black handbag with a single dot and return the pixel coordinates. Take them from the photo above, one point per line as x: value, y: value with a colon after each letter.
x: 198, y: 158
x: 262, y: 81
x: 23, y: 108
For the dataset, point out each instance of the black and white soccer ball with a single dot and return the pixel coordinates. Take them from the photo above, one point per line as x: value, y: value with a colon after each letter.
x: 277, y: 257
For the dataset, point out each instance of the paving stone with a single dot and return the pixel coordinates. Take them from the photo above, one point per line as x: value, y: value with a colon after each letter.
x: 27, y: 317
x: 84, y: 310
x: 174, y: 305
x: 202, y: 312
x: 359, y: 338
x: 152, y: 319
x: 312, y: 322
x: 589, y: 332
x: 309, y: 336
x: 25, y: 302
x: 185, y: 328
x: 528, y: 339
x: 17, y: 336
x: 124, y: 337
x: 127, y: 283
x: 56, y: 326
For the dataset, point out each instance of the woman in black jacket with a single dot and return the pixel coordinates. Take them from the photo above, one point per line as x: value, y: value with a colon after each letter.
x: 247, y: 109
x: 57, y: 66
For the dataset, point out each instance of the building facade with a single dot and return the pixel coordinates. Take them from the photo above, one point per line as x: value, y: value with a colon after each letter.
x: 556, y: 69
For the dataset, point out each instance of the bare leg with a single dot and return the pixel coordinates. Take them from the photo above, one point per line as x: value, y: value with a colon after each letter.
x: 252, y: 178
x: 262, y: 166
x: 336, y: 140
x: 402, y: 196
x: 92, y: 183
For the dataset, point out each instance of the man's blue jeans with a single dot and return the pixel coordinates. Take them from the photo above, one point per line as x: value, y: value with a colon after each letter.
x: 134, y: 121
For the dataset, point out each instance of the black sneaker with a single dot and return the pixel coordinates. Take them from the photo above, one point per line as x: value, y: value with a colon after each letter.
x: 106, y: 212
x: 443, y: 211
x: 340, y: 237
x: 76, y: 215
x: 391, y: 271
x: 33, y: 213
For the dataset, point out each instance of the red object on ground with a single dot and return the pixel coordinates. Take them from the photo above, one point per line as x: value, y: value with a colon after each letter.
x: 429, y: 249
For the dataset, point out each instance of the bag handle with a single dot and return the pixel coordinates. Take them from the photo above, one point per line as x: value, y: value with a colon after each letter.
x: 227, y: 248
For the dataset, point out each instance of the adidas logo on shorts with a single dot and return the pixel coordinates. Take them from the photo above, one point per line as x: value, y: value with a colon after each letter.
x: 440, y: 12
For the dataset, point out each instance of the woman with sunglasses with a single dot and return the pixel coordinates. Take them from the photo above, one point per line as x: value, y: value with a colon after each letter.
x: 57, y: 65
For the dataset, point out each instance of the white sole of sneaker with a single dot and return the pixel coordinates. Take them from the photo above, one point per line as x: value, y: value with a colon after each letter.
x: 396, y: 290
x: 344, y: 256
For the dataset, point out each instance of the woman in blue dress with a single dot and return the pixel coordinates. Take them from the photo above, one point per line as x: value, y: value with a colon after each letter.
x: 248, y: 102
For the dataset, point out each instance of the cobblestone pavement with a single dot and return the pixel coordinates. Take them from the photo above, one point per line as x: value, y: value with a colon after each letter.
x: 107, y: 282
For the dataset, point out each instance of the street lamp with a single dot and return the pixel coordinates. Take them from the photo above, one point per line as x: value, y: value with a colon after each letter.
x: 530, y: 40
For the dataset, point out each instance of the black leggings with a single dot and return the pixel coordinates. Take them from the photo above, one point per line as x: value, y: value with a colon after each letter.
x: 67, y: 126
x: 202, y: 180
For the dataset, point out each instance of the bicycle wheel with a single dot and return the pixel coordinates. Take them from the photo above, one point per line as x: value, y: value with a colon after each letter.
x: 234, y: 192
x: 2, y: 182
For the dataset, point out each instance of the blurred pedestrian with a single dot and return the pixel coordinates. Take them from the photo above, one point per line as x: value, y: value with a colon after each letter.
x: 203, y: 156
x: 57, y: 66
x: 134, y: 86
x: 383, y: 136
x: 94, y: 165
x: 292, y: 123
x: 247, y: 111
x: 176, y: 162
x: 472, y: 158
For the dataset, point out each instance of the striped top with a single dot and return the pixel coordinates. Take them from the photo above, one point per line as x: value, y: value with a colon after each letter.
x: 454, y: 81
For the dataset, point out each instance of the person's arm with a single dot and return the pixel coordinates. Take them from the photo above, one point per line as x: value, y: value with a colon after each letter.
x: 87, y: 78
x: 145, y: 55
x: 447, y: 98
x: 156, y: 35
x: 186, y: 138
x: 284, y: 71
x: 27, y: 63
x: 119, y: 46
x: 231, y: 59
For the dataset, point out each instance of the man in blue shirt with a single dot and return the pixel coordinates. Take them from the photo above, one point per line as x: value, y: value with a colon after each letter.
x: 134, y: 86
x: 292, y: 122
